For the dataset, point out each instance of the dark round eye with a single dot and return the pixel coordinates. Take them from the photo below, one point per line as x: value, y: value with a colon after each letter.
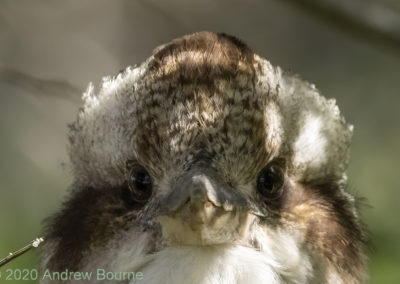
x: 140, y: 184
x: 270, y: 181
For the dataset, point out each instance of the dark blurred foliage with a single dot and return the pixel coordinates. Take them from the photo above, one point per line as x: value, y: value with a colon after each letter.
x: 50, y: 50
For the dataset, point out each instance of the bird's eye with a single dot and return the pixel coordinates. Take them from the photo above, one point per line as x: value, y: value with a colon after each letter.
x: 140, y: 184
x: 270, y: 181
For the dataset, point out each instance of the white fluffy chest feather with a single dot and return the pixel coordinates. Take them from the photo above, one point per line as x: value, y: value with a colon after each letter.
x: 279, y: 259
x: 211, y: 265
x: 222, y: 264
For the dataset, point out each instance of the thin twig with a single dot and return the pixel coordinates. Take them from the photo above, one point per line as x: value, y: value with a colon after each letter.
x: 34, y: 244
x: 368, y: 20
x: 40, y: 87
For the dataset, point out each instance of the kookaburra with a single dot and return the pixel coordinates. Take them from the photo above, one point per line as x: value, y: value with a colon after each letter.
x: 206, y: 164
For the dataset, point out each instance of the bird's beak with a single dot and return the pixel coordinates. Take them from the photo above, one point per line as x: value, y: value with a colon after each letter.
x: 203, y: 187
x: 203, y: 209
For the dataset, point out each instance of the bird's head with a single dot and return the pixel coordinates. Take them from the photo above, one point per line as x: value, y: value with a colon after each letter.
x: 205, y: 164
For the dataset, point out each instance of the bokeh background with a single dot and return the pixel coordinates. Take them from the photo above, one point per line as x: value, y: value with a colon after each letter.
x: 50, y: 50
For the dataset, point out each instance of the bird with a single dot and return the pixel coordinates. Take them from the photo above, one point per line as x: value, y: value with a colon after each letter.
x: 207, y: 164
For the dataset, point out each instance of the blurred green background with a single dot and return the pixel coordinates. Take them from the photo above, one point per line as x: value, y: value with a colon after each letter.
x: 50, y: 50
